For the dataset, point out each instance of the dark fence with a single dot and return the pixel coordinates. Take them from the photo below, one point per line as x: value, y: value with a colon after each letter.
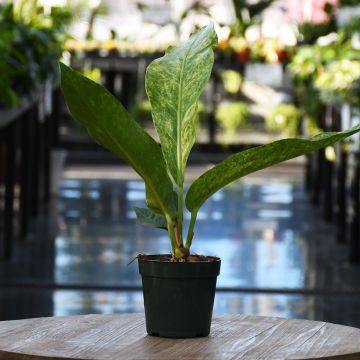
x: 334, y: 184
x: 27, y: 135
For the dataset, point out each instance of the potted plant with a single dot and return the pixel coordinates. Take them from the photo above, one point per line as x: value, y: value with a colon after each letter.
x: 285, y: 118
x: 241, y: 49
x: 178, y: 287
x: 231, y: 116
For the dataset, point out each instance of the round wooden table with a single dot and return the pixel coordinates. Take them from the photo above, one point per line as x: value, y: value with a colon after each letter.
x: 119, y: 337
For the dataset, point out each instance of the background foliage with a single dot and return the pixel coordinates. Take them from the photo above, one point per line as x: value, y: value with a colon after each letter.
x: 30, y: 45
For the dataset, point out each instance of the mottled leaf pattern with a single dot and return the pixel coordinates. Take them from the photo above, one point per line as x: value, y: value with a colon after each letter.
x: 111, y: 126
x: 251, y: 160
x: 174, y: 84
x: 148, y: 218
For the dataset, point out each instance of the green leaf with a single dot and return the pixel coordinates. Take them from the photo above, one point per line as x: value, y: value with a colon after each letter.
x: 151, y: 202
x: 174, y: 84
x: 254, y: 159
x: 111, y: 126
x: 148, y: 218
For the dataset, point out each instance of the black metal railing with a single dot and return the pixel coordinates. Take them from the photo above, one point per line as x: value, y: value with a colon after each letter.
x: 27, y: 135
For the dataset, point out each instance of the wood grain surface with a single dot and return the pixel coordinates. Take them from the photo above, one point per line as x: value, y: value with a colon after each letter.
x: 120, y: 337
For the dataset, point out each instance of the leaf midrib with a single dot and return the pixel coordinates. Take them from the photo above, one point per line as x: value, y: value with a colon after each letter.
x: 180, y: 178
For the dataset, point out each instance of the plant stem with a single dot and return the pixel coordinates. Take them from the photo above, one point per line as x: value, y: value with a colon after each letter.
x: 180, y: 213
x: 190, y: 233
x: 170, y: 227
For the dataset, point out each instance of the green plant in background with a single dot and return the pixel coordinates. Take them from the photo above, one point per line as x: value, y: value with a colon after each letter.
x: 141, y: 111
x: 285, y: 119
x: 247, y: 14
x: 7, y: 94
x: 340, y: 81
x: 311, y: 59
x: 30, y: 44
x: 93, y: 74
x: 326, y: 72
x: 241, y: 48
x: 232, y: 81
x: 174, y: 84
x: 231, y: 116
x: 310, y: 32
x: 305, y: 66
x: 351, y: 27
x: 31, y: 14
x: 200, y: 112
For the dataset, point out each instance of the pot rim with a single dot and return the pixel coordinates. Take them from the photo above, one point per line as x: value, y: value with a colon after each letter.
x: 155, y: 258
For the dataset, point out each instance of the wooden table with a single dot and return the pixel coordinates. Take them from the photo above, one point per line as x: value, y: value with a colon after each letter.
x: 119, y: 337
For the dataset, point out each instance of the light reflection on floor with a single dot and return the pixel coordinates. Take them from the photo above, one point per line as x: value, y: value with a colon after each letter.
x: 27, y: 303
x: 95, y: 302
x: 253, y: 225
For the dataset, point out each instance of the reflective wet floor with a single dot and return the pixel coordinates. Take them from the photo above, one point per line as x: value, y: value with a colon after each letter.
x: 17, y: 304
x: 278, y: 257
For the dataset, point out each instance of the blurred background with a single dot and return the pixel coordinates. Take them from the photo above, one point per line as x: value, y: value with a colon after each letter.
x: 288, y: 236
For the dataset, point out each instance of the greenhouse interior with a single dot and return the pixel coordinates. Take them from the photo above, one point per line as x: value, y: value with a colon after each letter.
x: 144, y: 138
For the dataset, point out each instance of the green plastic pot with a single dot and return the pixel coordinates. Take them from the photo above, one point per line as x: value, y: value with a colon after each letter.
x: 178, y: 297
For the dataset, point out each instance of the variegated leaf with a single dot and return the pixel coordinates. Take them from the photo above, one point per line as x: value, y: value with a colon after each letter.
x: 111, y: 126
x: 149, y: 218
x: 254, y: 159
x: 174, y: 84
